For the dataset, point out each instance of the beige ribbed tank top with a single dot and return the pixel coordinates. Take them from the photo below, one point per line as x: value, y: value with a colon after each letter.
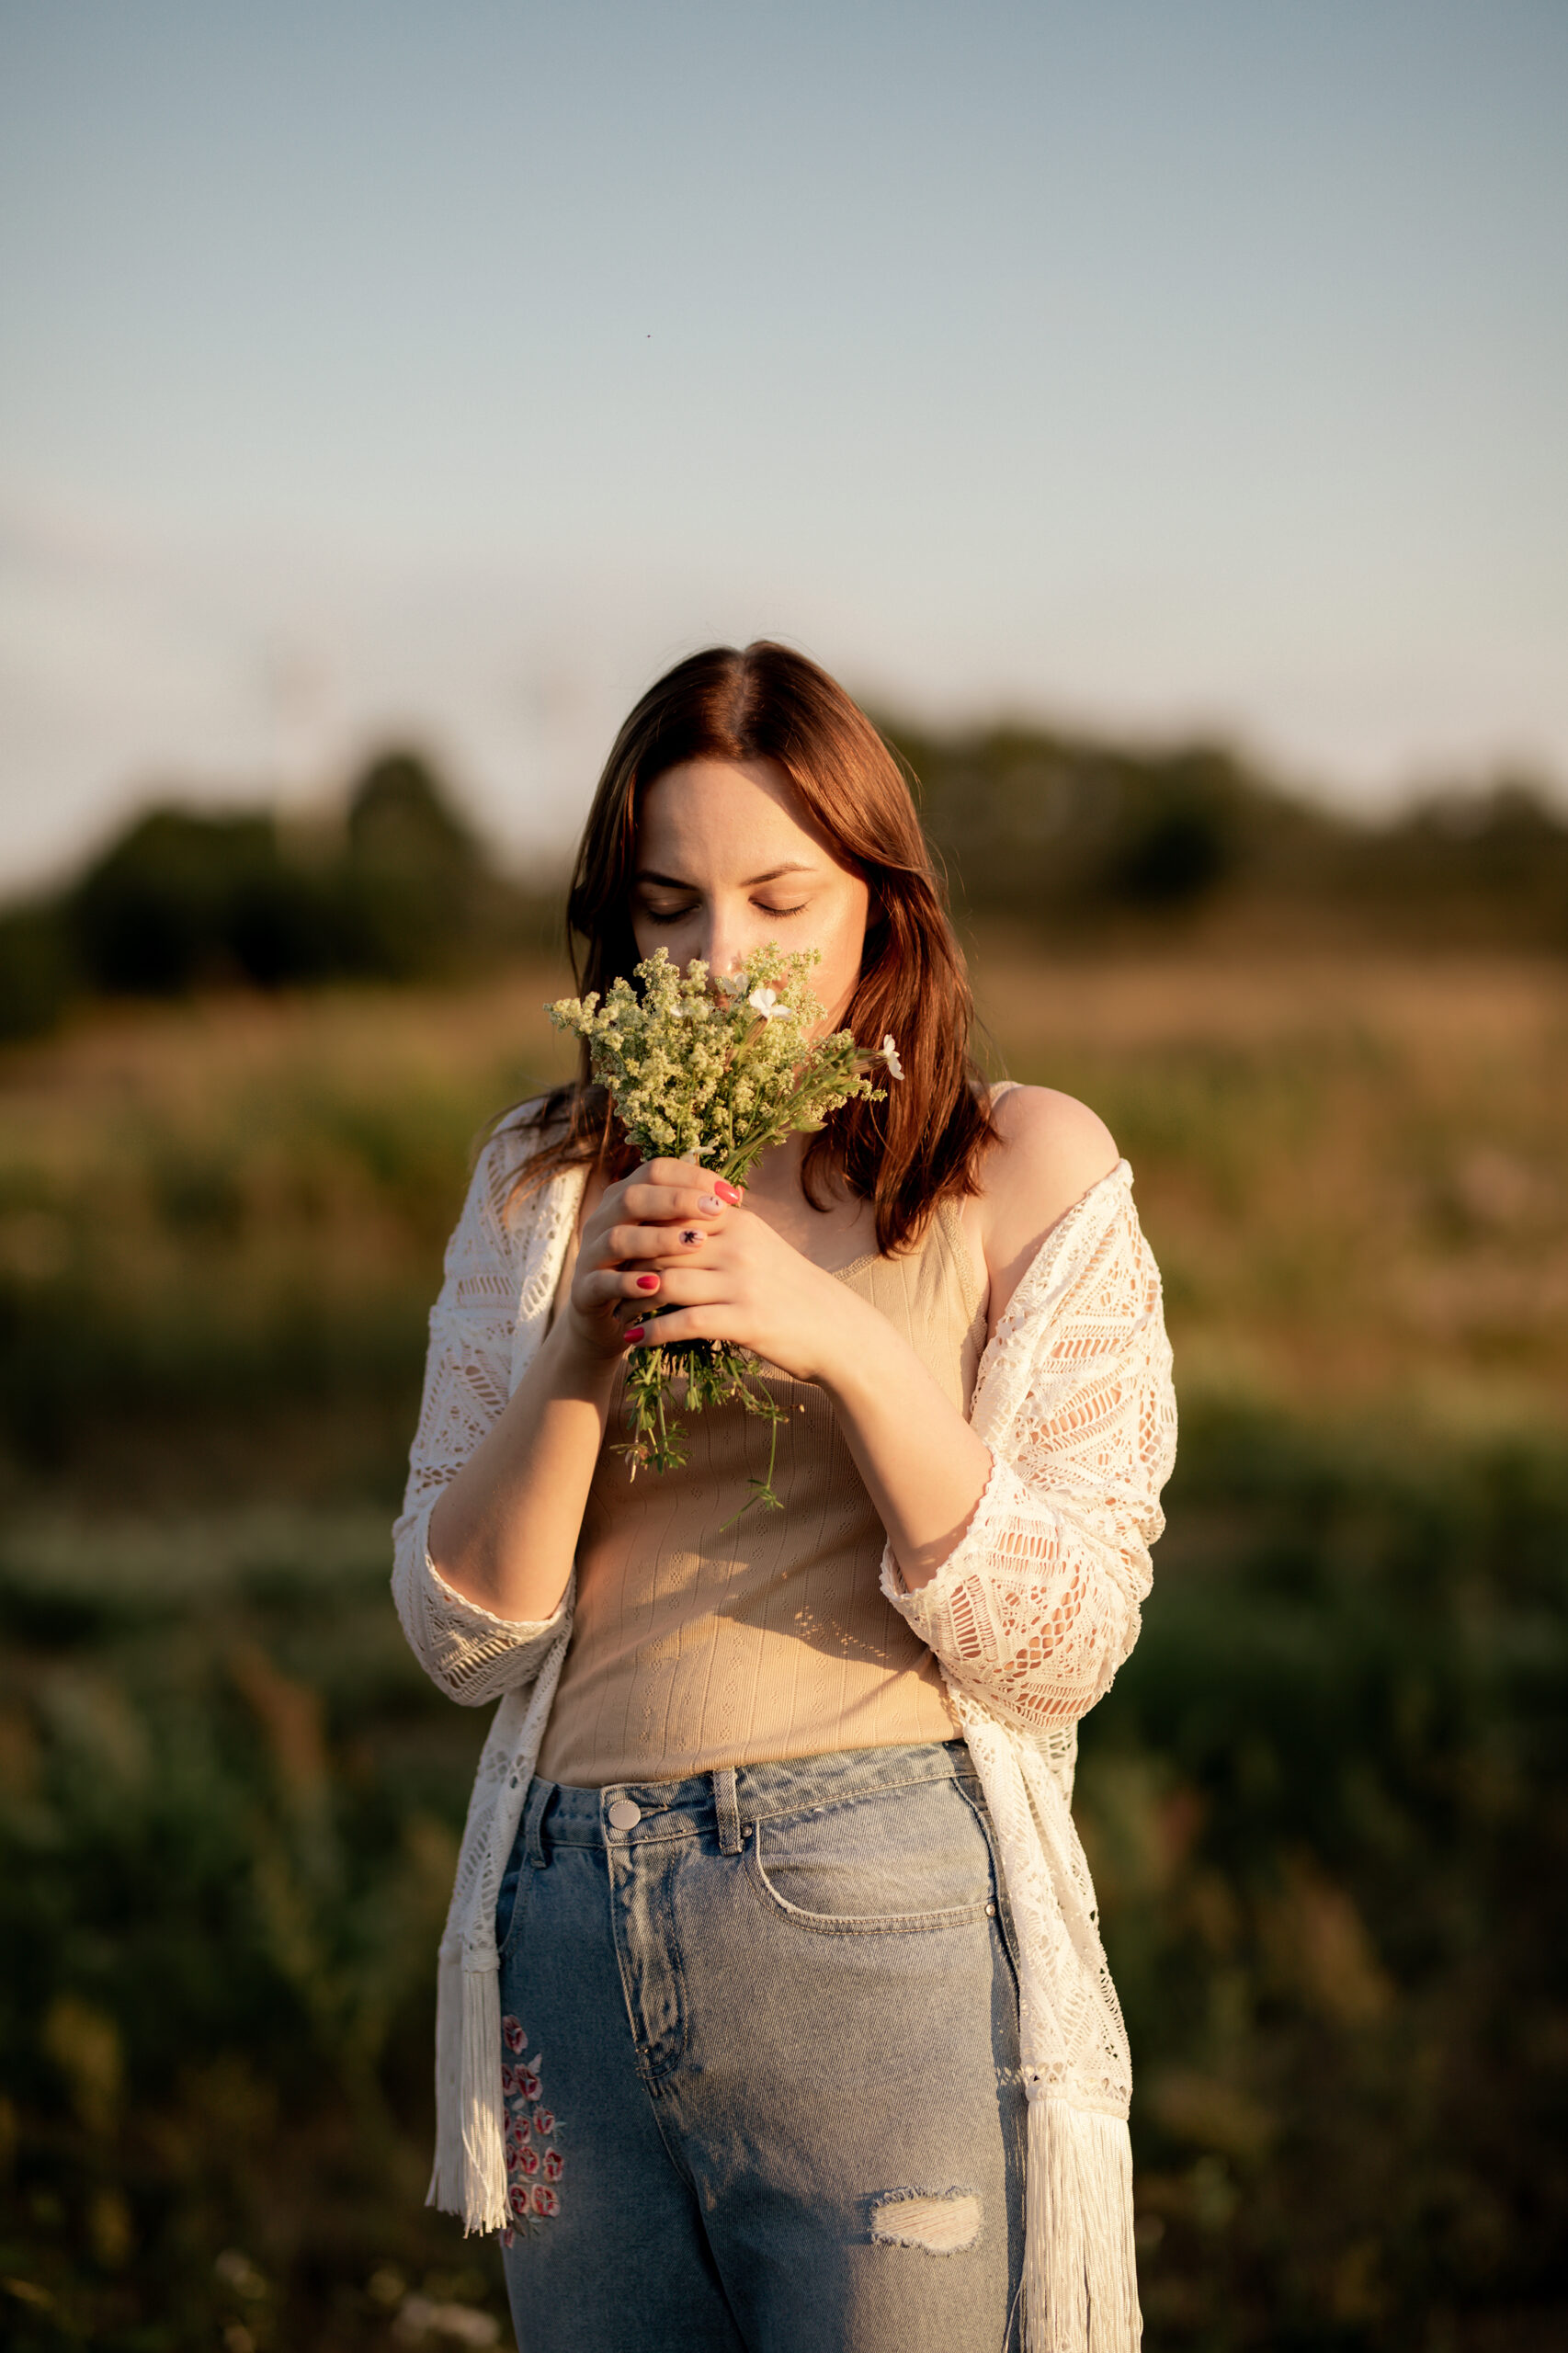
x: 695, y: 1645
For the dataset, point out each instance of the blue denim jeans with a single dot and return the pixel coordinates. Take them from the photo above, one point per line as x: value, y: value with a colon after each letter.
x: 761, y: 2064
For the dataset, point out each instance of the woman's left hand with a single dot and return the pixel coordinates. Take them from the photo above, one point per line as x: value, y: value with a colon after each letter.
x: 736, y: 1280
x: 741, y: 1281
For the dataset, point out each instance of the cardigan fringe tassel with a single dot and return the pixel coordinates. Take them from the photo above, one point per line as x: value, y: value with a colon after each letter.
x: 445, y: 2188
x: 470, y: 2174
x: 1080, y: 2262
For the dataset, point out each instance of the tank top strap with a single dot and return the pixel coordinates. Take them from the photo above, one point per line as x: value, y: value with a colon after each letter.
x: 961, y: 1268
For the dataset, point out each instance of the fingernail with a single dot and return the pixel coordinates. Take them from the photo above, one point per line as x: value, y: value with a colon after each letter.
x: 691, y: 1233
x: 726, y: 1191
x: 647, y: 1283
x: 638, y: 1332
x: 708, y: 1203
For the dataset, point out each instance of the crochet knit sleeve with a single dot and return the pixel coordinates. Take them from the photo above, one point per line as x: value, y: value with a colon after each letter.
x: 495, y: 1256
x: 1038, y: 1604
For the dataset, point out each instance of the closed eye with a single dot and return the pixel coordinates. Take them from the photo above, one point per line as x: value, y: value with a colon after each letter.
x: 679, y: 914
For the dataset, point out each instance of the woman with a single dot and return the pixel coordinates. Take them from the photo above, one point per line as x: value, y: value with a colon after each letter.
x: 773, y: 2013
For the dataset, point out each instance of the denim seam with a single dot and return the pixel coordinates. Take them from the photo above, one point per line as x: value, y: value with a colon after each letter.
x: 655, y: 2076
x: 686, y: 1829
x: 515, y: 1917
x: 651, y: 2075
x: 1005, y: 1921
x: 855, y: 1923
x: 829, y: 1804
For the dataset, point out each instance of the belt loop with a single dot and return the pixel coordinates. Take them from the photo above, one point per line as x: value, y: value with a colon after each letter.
x: 540, y: 1794
x: 729, y: 1810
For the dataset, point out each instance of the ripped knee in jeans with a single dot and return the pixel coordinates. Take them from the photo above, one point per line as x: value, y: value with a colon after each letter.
x: 939, y: 2221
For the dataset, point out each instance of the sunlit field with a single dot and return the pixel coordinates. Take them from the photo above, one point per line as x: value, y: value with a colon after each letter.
x: 1327, y: 1800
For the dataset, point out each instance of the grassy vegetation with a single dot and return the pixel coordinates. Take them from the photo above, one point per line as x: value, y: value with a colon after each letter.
x: 1327, y: 1800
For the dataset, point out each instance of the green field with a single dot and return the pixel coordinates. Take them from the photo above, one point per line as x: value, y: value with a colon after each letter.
x: 1327, y: 1800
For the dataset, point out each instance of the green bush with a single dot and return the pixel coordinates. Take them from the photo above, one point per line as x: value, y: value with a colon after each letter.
x: 37, y: 974
x: 1325, y: 1801
x: 230, y: 1802
x: 1328, y: 1806
x: 189, y: 898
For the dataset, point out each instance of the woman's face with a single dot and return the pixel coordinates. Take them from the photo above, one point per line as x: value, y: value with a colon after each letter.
x: 727, y: 860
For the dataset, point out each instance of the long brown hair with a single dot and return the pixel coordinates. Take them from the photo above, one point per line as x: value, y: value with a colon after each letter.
x: 926, y: 1140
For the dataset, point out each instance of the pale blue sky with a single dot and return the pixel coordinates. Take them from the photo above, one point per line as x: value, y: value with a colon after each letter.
x: 455, y: 366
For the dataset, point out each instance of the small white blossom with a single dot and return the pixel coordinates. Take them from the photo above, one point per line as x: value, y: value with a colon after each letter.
x: 766, y: 1002
x: 890, y: 1056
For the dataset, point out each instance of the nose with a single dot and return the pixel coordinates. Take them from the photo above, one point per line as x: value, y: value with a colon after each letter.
x: 722, y: 937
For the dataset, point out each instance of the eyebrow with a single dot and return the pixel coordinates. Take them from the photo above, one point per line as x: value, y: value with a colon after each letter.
x: 673, y: 882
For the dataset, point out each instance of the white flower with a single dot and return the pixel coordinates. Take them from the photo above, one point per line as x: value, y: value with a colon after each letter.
x: 766, y: 1002
x: 890, y: 1056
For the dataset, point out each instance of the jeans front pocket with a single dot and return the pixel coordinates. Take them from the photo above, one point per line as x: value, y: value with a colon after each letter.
x: 882, y: 1864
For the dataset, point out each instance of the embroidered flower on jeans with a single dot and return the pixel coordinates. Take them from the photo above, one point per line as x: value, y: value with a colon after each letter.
x: 508, y: 2237
x: 527, y: 2197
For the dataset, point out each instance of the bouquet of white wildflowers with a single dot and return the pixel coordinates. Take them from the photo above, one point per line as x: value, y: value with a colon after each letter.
x: 714, y: 1068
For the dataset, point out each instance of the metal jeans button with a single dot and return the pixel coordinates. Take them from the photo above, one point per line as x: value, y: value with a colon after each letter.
x: 624, y: 1813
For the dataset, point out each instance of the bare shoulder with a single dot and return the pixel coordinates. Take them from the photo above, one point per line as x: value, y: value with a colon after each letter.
x: 1053, y: 1149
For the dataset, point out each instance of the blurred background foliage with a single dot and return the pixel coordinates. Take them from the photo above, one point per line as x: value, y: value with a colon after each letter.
x: 393, y: 887
x: 1325, y: 1801
x: 1068, y: 837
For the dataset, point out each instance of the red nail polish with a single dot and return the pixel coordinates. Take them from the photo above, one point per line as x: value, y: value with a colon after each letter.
x: 726, y: 1191
x: 647, y: 1283
x: 638, y: 1332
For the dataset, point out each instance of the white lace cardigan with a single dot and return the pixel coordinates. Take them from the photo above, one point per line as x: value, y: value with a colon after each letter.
x: 1029, y: 1617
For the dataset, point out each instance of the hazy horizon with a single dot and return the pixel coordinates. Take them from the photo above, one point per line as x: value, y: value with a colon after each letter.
x: 444, y: 378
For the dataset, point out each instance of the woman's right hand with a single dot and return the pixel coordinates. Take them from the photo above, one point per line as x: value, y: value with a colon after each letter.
x: 639, y: 1223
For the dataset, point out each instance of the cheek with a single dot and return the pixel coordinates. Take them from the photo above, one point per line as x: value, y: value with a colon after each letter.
x: 648, y: 935
x: 842, y: 947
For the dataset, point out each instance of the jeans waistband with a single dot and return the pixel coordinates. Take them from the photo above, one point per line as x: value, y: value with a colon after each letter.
x: 696, y: 1807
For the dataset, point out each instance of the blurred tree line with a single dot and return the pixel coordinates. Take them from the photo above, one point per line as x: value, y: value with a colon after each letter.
x: 1080, y: 840
x: 401, y: 889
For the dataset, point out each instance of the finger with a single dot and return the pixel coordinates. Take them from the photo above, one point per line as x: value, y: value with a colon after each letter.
x: 684, y: 1175
x: 643, y: 1201
x: 620, y: 1243
x: 684, y: 1172
x: 706, y: 1322
x: 687, y: 1286
x: 612, y: 1287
